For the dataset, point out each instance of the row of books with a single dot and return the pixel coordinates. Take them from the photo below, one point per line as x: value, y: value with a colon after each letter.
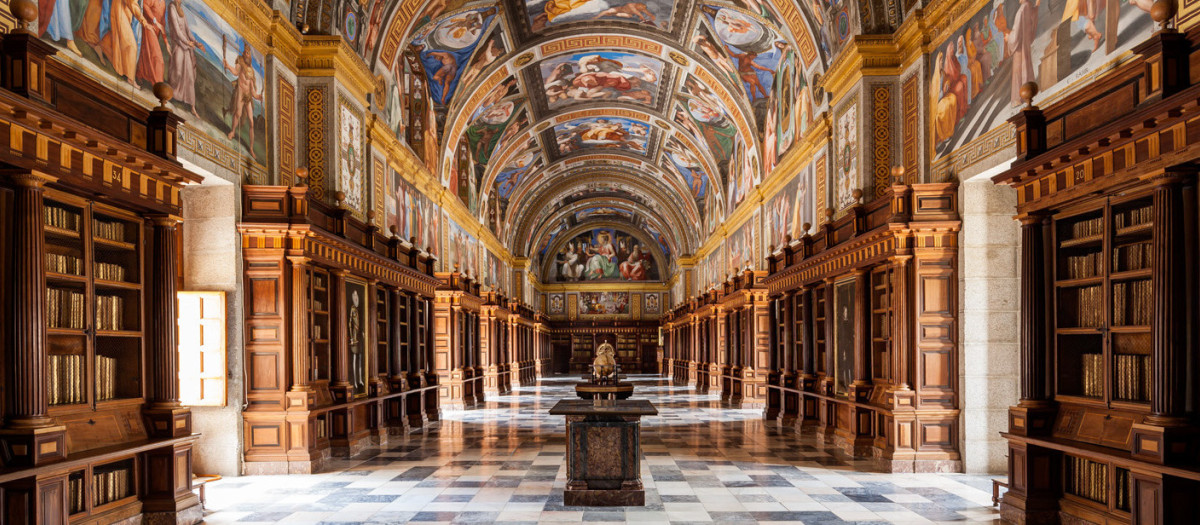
x: 110, y: 312
x: 1089, y: 306
x: 1087, y: 479
x: 1081, y: 266
x: 65, y: 308
x: 1087, y: 228
x: 75, y: 491
x: 66, y: 379
x: 110, y: 271
x: 113, y: 231
x: 111, y: 485
x: 1134, y: 217
x: 1133, y: 256
x: 61, y: 218
x: 64, y: 264
x: 1093, y: 375
x: 1133, y: 377
x: 67, y: 383
x: 1132, y: 305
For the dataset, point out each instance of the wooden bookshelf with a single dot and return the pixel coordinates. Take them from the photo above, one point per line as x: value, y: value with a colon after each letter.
x: 348, y: 375
x: 1106, y: 428
x: 89, y: 210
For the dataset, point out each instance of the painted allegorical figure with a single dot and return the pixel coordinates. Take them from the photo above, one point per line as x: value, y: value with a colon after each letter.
x: 245, y: 92
x: 120, y: 43
x: 150, y: 63
x: 181, y: 72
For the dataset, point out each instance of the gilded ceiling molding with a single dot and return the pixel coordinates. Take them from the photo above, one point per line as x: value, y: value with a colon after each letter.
x: 331, y: 56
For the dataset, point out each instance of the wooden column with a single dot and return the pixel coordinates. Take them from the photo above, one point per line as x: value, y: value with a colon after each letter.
x: 339, y: 338
x: 1033, y: 471
x: 1163, y: 438
x: 30, y: 437
x: 400, y: 363
x: 1034, y: 414
x: 902, y: 347
x: 165, y: 416
x: 301, y: 353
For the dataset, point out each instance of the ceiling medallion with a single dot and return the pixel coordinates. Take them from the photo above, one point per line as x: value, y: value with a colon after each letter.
x: 523, y: 59
x: 679, y: 58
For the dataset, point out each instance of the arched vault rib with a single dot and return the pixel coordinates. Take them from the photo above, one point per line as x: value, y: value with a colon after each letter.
x: 530, y: 216
x: 641, y: 218
x: 672, y: 190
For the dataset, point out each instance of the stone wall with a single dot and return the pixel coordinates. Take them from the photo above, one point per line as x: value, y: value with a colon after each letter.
x: 989, y: 288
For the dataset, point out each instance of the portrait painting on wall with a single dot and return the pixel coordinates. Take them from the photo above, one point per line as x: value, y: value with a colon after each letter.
x: 557, y: 304
x: 977, y: 72
x: 843, y: 335
x: 355, y: 301
x: 845, y: 169
x: 350, y: 154
x: 615, y: 133
x: 651, y: 303
x: 604, y: 303
x: 543, y: 14
x: 582, y: 78
x: 461, y: 250
x: 217, y: 76
x: 740, y: 246
x: 605, y: 254
x: 780, y: 212
x: 415, y: 217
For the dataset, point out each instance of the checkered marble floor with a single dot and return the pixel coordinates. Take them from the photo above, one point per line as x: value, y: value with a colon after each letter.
x: 703, y: 463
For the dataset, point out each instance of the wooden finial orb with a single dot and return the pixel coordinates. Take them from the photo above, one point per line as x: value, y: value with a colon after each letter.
x: 301, y: 174
x: 857, y: 194
x: 807, y: 226
x: 340, y: 197
x: 25, y: 11
x: 898, y: 174
x: 828, y: 213
x: 163, y: 92
x: 370, y: 215
x: 1028, y: 91
x: 1162, y: 11
x: 392, y: 228
x: 412, y: 241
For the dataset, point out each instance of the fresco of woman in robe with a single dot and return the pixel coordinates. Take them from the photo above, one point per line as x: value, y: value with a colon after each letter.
x: 120, y: 44
x: 602, y: 258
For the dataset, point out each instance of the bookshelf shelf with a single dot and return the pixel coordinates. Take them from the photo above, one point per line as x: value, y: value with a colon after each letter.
x: 102, y: 243
x: 1083, y: 242
x: 60, y: 232
x: 1079, y: 283
x: 117, y: 285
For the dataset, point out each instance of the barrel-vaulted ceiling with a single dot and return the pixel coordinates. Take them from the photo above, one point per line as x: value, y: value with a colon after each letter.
x: 546, y: 115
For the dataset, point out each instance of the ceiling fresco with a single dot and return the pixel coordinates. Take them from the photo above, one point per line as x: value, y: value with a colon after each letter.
x: 544, y: 116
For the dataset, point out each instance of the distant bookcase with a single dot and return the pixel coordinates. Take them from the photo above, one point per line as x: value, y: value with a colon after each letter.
x: 94, y: 314
x: 1104, y: 303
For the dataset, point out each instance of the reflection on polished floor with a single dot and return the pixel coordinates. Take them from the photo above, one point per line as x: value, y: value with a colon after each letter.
x: 704, y: 463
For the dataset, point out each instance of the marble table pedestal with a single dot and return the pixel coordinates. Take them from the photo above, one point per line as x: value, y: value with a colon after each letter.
x: 604, y: 451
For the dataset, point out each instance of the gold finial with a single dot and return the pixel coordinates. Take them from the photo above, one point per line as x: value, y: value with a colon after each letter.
x: 301, y: 174
x: 898, y: 174
x: 303, y: 27
x: 163, y: 92
x: 26, y: 12
x: 1028, y: 91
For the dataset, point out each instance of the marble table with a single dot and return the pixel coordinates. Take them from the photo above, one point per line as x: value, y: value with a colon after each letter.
x: 604, y: 451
